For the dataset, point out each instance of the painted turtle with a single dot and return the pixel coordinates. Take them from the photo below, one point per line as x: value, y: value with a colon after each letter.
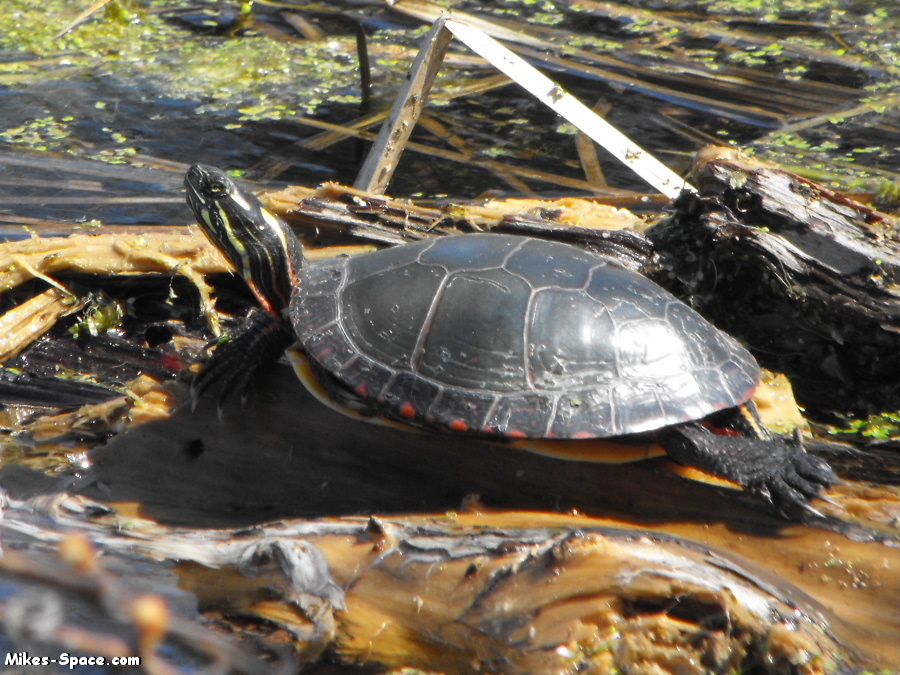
x: 497, y: 335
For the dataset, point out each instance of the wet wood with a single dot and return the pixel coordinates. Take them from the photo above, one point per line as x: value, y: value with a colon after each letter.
x: 157, y: 250
x: 336, y: 211
x: 62, y: 603
x: 26, y: 322
x: 810, y: 278
x: 521, y: 592
x: 180, y: 252
x: 384, y: 155
x: 468, y: 589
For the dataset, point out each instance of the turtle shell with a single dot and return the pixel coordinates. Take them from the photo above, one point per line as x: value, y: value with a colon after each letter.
x: 515, y: 337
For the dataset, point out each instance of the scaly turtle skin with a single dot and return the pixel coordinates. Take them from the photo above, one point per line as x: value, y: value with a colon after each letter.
x: 497, y: 335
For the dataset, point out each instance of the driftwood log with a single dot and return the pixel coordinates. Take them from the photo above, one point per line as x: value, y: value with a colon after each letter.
x: 809, y: 278
x: 510, y: 593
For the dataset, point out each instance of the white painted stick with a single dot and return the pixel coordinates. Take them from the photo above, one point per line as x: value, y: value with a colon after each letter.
x: 551, y: 94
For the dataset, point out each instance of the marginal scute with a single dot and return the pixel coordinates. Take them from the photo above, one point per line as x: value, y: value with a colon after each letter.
x: 366, y: 377
x: 407, y: 389
x: 580, y: 413
x: 521, y: 415
x: 454, y: 405
x: 325, y: 280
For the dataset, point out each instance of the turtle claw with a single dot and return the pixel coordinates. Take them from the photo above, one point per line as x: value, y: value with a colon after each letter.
x: 829, y: 500
x: 220, y: 411
x: 777, y: 470
x: 797, y: 479
x: 811, y: 509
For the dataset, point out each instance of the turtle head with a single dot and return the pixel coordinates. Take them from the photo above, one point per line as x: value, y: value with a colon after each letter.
x: 258, y: 243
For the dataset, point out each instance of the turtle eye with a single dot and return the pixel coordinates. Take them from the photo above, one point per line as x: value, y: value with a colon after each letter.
x: 217, y: 189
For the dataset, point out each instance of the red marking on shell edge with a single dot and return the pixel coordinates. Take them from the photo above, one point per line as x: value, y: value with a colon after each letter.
x: 515, y: 433
x: 459, y: 425
x: 583, y: 434
x: 362, y: 389
x: 408, y: 410
x: 721, y: 431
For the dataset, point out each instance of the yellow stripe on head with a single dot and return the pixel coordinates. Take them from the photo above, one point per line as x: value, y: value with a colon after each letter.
x: 233, y: 231
x: 257, y: 242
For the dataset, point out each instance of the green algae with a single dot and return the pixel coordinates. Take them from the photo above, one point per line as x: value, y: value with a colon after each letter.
x: 102, y: 315
x: 132, y: 43
x: 43, y: 133
x: 248, y: 76
x: 123, y: 32
x: 880, y: 427
x: 261, y: 77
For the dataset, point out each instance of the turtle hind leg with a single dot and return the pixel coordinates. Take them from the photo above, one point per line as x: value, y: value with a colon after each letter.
x: 260, y: 340
x: 778, y: 469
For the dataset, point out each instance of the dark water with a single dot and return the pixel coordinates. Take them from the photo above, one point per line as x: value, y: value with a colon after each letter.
x: 188, y: 97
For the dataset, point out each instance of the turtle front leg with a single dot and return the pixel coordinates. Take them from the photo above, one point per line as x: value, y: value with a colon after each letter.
x: 260, y: 340
x: 778, y: 469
